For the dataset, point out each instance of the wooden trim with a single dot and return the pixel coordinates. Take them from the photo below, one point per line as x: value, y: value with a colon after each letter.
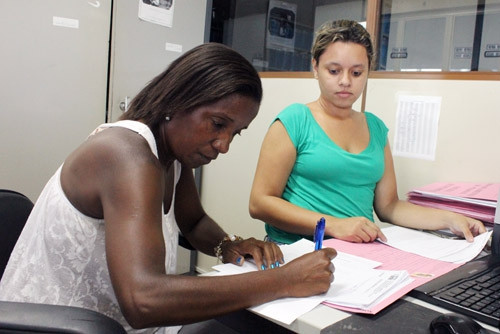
x: 398, y: 75
x: 291, y: 75
x: 435, y: 75
x: 372, y: 20
x: 372, y: 26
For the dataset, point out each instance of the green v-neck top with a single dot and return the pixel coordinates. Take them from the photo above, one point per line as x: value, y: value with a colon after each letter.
x: 325, y: 178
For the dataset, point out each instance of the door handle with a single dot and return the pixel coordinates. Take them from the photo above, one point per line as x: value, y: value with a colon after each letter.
x: 124, y: 104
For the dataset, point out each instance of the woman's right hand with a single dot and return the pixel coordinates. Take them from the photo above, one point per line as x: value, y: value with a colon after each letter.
x: 354, y: 229
x: 311, y: 274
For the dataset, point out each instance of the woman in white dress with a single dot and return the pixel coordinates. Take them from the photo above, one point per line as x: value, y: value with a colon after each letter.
x: 103, y: 233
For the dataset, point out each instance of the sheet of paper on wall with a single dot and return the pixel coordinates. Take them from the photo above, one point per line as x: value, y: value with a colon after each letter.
x: 416, y: 129
x: 157, y: 11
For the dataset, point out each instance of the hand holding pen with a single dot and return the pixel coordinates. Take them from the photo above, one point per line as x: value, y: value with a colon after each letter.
x: 316, y: 268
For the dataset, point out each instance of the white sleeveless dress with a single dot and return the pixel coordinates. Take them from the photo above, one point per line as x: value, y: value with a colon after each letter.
x: 60, y: 257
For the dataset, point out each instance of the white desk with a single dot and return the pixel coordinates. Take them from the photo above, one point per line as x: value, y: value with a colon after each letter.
x: 320, y: 318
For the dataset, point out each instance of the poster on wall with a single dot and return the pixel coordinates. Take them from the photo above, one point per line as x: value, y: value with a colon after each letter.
x: 281, y: 19
x: 157, y: 11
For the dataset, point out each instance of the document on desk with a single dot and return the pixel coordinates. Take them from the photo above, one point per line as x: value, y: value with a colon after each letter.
x: 420, y: 269
x: 364, y: 288
x: 435, y: 247
x: 357, y: 284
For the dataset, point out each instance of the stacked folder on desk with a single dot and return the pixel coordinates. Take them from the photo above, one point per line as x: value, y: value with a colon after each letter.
x: 476, y: 200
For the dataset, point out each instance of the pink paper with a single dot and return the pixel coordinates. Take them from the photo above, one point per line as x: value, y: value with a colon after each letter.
x: 421, y: 269
x: 483, y: 191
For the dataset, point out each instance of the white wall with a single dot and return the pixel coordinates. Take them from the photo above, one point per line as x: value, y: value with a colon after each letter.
x: 469, y: 129
x: 468, y: 143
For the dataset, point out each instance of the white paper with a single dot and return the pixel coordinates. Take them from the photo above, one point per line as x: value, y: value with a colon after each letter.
x: 356, y: 284
x: 173, y: 47
x: 157, y: 11
x: 362, y: 288
x: 416, y: 130
x: 65, y: 22
x: 434, y: 247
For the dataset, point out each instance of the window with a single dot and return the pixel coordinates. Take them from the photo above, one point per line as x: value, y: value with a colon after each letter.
x: 277, y: 35
x: 460, y: 35
x: 411, y: 36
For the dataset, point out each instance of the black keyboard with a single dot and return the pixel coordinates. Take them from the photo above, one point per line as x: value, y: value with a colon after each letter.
x: 472, y: 289
x: 480, y: 294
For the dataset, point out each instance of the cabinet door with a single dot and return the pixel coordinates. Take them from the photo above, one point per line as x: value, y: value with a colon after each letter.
x: 53, y: 70
x: 141, y: 50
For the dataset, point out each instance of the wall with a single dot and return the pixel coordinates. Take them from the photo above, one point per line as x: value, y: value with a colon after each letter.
x: 467, y: 149
x: 468, y: 136
x: 53, y: 85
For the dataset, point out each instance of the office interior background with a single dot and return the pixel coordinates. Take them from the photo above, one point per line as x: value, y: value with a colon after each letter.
x: 68, y: 66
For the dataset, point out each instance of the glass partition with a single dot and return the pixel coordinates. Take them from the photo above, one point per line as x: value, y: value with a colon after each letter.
x: 459, y: 35
x: 277, y: 35
x: 411, y: 36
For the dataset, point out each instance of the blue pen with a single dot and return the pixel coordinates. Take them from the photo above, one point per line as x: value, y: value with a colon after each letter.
x: 319, y: 233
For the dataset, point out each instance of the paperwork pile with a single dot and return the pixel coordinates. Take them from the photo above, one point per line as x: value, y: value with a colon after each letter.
x: 363, y: 284
x: 476, y: 200
x: 357, y: 284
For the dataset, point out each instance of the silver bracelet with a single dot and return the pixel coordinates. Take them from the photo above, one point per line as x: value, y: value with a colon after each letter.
x: 227, y: 238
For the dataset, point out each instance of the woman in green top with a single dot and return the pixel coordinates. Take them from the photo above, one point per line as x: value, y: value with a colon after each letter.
x: 324, y: 159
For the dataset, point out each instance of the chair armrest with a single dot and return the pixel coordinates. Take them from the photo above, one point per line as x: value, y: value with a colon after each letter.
x: 43, y: 318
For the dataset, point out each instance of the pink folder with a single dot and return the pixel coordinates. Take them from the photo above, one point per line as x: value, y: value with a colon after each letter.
x: 476, y: 200
x: 421, y: 269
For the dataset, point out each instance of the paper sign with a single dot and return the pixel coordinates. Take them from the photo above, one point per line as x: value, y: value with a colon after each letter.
x: 157, y: 11
x: 417, y: 127
x: 65, y: 22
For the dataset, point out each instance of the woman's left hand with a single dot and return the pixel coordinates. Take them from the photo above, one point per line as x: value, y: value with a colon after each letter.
x: 466, y: 227
x: 267, y: 255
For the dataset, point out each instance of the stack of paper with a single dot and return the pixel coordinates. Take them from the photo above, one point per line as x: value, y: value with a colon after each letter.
x: 357, y: 284
x: 364, y: 288
x: 363, y: 283
x: 476, y: 200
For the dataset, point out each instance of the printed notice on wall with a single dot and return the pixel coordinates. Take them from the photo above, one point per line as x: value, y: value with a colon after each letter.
x: 281, y: 17
x: 157, y: 11
x: 417, y: 121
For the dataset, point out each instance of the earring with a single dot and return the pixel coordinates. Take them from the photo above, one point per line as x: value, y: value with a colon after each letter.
x: 167, y: 118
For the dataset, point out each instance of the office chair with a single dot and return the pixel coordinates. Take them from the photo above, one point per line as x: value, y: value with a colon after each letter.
x: 18, y: 317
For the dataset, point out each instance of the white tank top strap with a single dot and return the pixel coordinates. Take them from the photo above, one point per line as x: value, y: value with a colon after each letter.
x: 135, y: 126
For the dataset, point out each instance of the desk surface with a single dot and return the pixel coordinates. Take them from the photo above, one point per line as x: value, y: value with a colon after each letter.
x: 324, y: 319
x: 406, y: 315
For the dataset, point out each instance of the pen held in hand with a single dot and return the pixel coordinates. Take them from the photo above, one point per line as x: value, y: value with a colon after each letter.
x: 319, y: 233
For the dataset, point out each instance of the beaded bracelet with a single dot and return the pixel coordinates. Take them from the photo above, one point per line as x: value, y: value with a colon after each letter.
x: 227, y: 238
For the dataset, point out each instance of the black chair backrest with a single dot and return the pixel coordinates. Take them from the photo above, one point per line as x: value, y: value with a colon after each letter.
x: 14, y: 211
x: 16, y: 317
